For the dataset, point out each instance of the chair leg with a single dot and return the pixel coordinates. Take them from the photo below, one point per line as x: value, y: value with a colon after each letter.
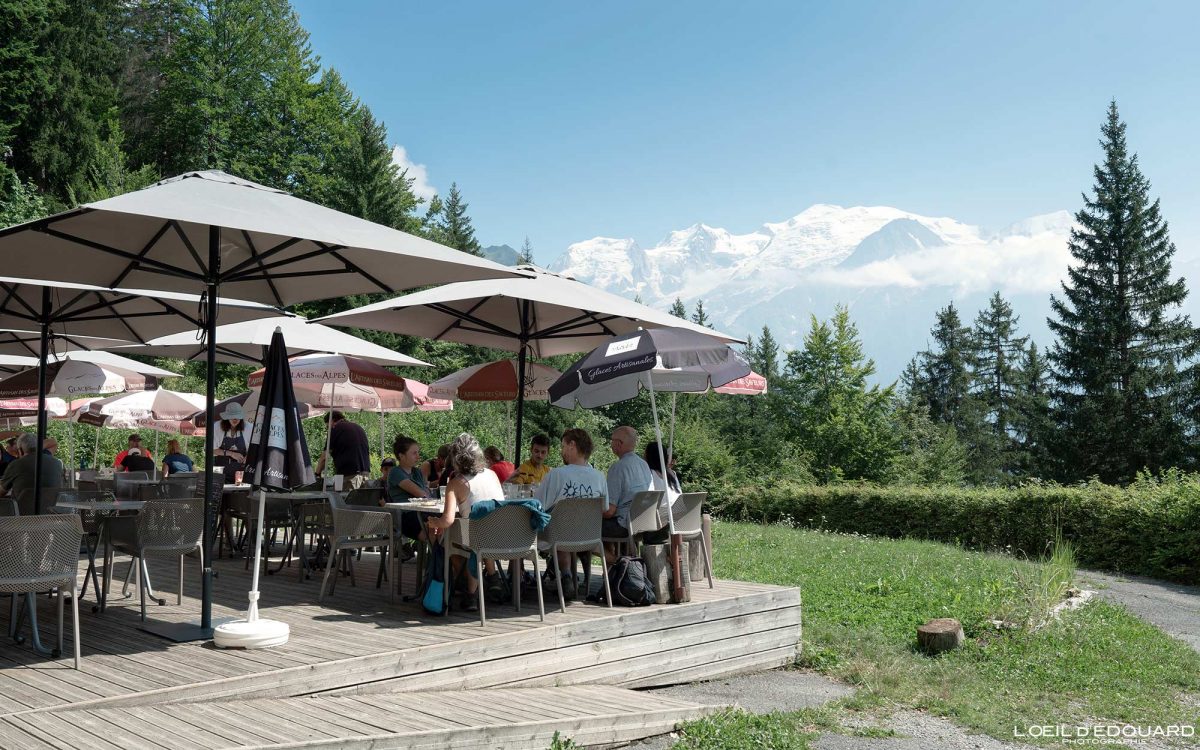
x: 537, y: 576
x: 179, y: 596
x: 707, y: 560
x: 604, y: 570
x: 129, y: 575
x: 516, y: 589
x: 479, y: 589
x: 388, y: 553
x: 325, y: 579
x: 60, y: 620
x: 562, y: 603
x: 446, y: 582
x: 75, y: 627
x: 143, y: 580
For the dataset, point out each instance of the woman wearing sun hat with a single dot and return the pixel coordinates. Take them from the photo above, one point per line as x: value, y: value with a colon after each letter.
x: 231, y: 440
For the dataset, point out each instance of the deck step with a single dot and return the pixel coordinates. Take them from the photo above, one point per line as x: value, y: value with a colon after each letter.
x: 492, y: 718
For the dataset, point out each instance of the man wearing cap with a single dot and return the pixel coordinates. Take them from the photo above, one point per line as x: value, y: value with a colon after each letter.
x: 350, y: 450
x: 135, y: 441
x: 135, y: 461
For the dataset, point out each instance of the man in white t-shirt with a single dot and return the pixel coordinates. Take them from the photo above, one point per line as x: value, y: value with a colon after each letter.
x: 575, y: 478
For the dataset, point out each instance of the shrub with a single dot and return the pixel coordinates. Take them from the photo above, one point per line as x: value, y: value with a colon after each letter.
x: 1151, y: 527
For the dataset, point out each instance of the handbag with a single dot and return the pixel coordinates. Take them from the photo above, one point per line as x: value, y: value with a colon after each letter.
x: 433, y: 594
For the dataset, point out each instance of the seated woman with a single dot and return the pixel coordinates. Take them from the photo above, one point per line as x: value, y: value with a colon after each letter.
x: 436, y: 468
x: 670, y: 486
x: 472, y: 480
x: 176, y: 461
x: 504, y: 469
x: 406, y: 482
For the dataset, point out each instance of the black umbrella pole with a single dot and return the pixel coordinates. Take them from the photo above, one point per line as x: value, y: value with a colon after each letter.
x: 41, y: 405
x: 520, y: 401
x: 206, y: 583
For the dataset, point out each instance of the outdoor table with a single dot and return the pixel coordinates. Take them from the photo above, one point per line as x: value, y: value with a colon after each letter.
x: 299, y: 497
x: 104, y: 510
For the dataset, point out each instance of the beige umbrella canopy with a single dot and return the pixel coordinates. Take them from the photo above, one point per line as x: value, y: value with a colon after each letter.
x: 12, y: 363
x: 247, y: 342
x: 218, y: 234
x: 542, y: 315
x: 22, y: 349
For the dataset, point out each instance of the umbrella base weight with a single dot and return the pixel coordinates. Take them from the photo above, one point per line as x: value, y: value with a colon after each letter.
x: 245, y: 634
x: 179, y: 632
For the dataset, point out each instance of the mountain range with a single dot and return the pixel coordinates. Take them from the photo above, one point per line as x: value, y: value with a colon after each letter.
x: 893, y: 268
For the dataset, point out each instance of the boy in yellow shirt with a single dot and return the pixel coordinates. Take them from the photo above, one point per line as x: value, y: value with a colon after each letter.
x: 535, y: 469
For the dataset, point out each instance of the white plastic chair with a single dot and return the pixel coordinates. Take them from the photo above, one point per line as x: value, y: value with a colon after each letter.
x: 687, y: 512
x: 503, y: 534
x: 643, y: 518
x: 41, y: 553
x: 576, y: 525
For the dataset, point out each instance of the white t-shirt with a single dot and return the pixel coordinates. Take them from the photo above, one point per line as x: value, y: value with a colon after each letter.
x: 669, y: 494
x: 483, y: 486
x: 572, y: 480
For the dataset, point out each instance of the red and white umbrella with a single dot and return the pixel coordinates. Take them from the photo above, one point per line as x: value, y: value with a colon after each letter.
x: 69, y: 377
x: 751, y: 385
x: 495, y: 381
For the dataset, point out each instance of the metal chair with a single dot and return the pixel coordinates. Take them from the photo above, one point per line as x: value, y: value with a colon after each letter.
x: 643, y: 518
x: 123, y: 486
x: 41, y: 553
x: 177, y: 487
x: 687, y: 512
x: 173, y: 528
x: 575, y: 526
x: 366, y: 496
x: 353, y: 530
x: 503, y: 534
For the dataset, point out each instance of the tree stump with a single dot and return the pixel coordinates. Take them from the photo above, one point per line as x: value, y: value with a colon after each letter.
x: 938, y: 635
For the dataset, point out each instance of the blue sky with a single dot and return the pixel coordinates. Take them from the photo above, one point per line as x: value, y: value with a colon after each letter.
x: 565, y: 121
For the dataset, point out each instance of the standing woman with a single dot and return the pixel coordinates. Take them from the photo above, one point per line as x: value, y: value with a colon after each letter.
x: 232, y: 440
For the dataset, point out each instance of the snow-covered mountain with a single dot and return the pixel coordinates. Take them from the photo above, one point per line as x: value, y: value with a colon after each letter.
x: 894, y: 268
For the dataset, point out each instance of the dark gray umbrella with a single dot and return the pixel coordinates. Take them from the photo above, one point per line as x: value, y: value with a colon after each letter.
x: 617, y: 370
x: 276, y: 461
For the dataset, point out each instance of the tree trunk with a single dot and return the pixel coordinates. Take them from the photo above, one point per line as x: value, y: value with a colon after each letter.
x: 942, y: 634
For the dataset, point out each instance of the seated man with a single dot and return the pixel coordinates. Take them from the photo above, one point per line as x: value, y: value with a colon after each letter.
x: 575, y: 478
x: 19, y: 475
x: 135, y: 441
x: 626, y: 478
x: 135, y: 461
x: 535, y: 469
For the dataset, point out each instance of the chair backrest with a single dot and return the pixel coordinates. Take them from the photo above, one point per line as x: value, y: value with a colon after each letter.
x: 348, y: 524
x: 575, y: 520
x: 38, y: 553
x: 175, y: 487
x: 176, y: 525
x: 503, y: 532
x: 687, y: 512
x: 87, y: 484
x: 643, y: 512
x: 8, y: 507
x: 89, y: 518
x: 365, y: 496
x: 127, y: 476
x: 184, y: 475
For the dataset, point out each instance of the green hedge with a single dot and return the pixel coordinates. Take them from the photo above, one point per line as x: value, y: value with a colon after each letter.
x: 1150, y: 528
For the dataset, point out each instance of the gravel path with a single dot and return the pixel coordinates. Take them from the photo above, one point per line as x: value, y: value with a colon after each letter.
x: 1173, y: 607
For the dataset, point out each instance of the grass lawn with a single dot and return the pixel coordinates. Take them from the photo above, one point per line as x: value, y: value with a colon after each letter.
x: 864, y: 597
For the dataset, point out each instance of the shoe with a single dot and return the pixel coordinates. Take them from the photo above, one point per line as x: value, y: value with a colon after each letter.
x: 468, y: 603
x: 407, y: 552
x: 569, y: 587
x: 494, y: 588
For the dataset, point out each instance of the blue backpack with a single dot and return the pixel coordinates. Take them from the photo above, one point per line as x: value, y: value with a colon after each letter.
x: 433, y: 594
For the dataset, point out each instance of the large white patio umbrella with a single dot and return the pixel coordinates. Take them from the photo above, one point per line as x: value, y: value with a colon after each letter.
x: 541, y: 315
x: 214, y: 233
x: 65, y: 309
x: 246, y: 343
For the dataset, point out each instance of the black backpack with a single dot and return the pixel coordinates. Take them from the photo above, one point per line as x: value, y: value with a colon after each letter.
x: 630, y: 582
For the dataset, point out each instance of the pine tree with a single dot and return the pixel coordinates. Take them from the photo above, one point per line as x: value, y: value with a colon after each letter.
x: 678, y: 310
x: 1032, y: 420
x: 998, y: 353
x: 765, y: 360
x: 841, y: 421
x: 700, y: 317
x: 946, y: 369
x: 525, y: 256
x: 369, y: 184
x: 455, y: 225
x: 1121, y: 360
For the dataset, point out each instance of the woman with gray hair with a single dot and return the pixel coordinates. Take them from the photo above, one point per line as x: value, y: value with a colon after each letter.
x: 472, y: 480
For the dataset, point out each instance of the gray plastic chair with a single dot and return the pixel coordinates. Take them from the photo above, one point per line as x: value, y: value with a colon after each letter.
x: 643, y: 518
x: 123, y: 488
x: 576, y: 525
x: 168, y: 528
x: 503, y: 534
x: 354, y: 530
x: 687, y: 512
x: 176, y: 487
x: 41, y: 553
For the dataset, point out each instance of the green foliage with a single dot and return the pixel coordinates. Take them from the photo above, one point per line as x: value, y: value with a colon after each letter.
x: 699, y: 317
x: 525, y: 255
x: 19, y: 201
x: 1122, y: 362
x: 734, y: 729
x: 678, y: 310
x: 843, y: 424
x: 1151, y: 527
x: 447, y: 222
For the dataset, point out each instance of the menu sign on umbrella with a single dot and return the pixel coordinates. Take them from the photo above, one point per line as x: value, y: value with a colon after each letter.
x: 277, y: 461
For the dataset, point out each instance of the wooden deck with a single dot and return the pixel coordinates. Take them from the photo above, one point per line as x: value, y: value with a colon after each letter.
x: 359, y: 651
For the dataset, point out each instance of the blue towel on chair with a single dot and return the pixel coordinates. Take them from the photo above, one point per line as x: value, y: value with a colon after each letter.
x: 538, y: 518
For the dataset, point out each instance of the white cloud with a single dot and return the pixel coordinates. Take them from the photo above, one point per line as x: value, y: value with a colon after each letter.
x: 1013, y: 264
x: 416, y: 172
